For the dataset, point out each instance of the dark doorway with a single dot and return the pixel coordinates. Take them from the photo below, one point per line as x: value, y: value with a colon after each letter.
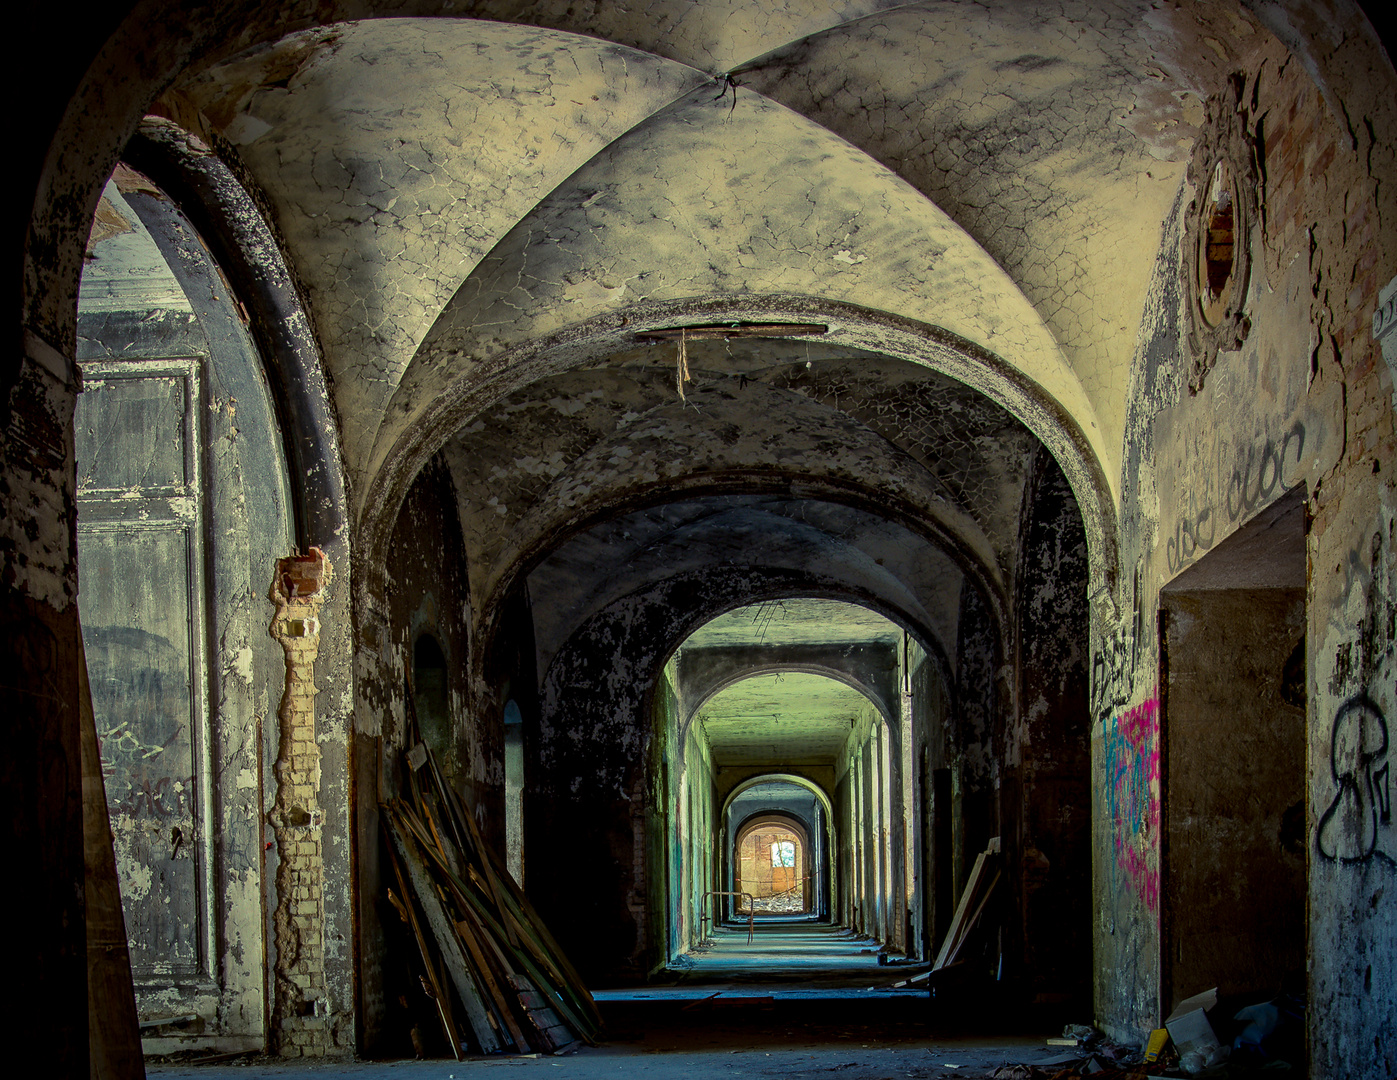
x: 1233, y: 765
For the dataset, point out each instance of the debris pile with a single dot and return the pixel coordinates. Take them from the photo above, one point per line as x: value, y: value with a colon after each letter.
x: 1269, y: 1037
x: 486, y: 956
x: 791, y: 902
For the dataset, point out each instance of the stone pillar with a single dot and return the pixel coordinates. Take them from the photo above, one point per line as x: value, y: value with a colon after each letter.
x: 300, y: 1024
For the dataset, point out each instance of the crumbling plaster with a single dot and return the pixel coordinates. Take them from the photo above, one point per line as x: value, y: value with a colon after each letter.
x: 667, y: 212
x: 1303, y: 409
x: 527, y: 469
x: 1353, y: 507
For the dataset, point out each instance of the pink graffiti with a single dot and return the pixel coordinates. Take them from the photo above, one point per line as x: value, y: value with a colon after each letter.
x: 1131, y: 742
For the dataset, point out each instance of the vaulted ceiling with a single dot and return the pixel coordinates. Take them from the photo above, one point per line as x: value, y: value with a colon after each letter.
x: 484, y: 208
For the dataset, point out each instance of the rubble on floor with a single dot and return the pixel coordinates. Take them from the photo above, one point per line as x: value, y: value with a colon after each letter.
x: 1268, y: 1039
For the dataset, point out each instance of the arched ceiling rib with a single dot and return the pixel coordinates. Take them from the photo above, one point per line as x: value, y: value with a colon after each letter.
x: 566, y: 451
x: 1049, y: 135
x: 701, y: 200
x: 710, y: 441
x: 397, y: 152
x: 457, y: 191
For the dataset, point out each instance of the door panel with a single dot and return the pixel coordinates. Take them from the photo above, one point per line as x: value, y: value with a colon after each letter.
x: 141, y: 599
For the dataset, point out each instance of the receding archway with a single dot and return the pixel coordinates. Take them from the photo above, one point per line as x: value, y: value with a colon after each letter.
x: 771, y: 862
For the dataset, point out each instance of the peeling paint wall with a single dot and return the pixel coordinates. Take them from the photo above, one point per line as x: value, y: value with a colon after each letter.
x: 1045, y: 794
x: 1304, y: 406
x: 928, y: 697
x: 427, y: 597
x: 973, y: 762
x: 177, y: 438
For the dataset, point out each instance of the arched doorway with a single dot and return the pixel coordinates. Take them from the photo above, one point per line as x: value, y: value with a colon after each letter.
x: 771, y: 861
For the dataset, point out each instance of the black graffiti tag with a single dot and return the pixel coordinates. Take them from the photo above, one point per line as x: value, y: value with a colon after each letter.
x: 1261, y: 472
x: 1358, y: 761
x: 1258, y: 476
x: 1111, y: 676
x: 1193, y: 534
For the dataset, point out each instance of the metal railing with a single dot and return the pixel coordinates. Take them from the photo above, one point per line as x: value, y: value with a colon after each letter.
x: 751, y: 910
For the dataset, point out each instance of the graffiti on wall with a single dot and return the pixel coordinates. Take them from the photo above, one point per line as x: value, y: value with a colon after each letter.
x: 1131, y: 752
x: 1349, y: 830
x: 1111, y: 668
x: 1358, y: 817
x: 1249, y: 480
x: 1194, y: 533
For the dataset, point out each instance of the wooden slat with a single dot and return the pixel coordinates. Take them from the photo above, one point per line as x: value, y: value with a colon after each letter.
x: 432, y: 982
x: 502, y: 1005
x: 481, y: 851
x: 499, y: 941
x: 974, y: 918
x: 535, y: 939
x: 481, y: 909
x: 971, y: 896
x: 444, y: 931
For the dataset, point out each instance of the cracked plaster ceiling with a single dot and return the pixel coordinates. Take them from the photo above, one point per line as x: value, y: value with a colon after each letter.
x: 795, y: 717
x: 451, y: 190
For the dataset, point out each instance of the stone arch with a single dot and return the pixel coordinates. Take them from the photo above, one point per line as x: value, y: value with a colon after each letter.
x: 593, y: 340
x: 983, y: 578
x: 576, y: 818
x: 785, y: 778
x: 779, y: 820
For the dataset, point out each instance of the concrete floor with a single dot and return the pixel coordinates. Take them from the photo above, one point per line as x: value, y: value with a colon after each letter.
x: 959, y: 1058
x: 788, y: 959
x: 802, y: 1000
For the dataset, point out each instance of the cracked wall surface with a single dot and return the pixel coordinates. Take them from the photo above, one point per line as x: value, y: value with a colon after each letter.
x: 454, y: 192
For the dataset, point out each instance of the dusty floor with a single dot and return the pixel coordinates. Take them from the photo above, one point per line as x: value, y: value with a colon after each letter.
x: 802, y: 1000
x: 664, y: 1057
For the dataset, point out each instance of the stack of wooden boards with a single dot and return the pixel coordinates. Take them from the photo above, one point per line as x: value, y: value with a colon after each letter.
x: 483, y: 947
x: 984, y: 876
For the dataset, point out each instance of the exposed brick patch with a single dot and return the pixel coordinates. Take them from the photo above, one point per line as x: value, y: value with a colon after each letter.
x: 300, y: 1026
x: 1322, y: 205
